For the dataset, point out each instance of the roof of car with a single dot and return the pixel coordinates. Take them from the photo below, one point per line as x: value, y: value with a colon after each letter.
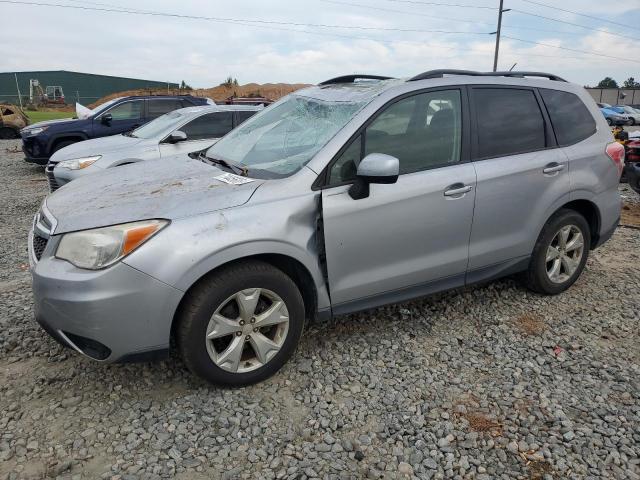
x: 358, y: 88
x: 219, y: 108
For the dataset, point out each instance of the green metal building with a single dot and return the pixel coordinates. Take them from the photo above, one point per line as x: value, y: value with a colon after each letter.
x: 84, y: 88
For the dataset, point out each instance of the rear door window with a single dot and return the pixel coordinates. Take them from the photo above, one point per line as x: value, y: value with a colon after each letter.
x: 571, y: 119
x: 211, y: 125
x: 157, y: 107
x: 509, y: 121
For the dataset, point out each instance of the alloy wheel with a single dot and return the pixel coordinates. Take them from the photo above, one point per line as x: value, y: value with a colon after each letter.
x: 247, y: 330
x: 564, y: 254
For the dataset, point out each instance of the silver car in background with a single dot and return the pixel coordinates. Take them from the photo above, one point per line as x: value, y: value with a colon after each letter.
x: 185, y: 130
x: 355, y: 193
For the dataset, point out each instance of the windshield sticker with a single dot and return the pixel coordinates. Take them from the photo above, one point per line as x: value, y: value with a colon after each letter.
x: 232, y: 179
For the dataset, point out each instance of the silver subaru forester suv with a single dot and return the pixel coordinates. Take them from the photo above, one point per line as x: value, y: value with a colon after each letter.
x: 355, y: 193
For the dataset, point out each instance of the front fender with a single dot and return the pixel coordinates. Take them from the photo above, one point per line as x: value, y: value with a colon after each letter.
x: 192, y: 247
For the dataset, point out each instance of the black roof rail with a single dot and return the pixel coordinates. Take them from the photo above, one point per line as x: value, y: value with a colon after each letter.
x: 442, y: 72
x: 353, y: 78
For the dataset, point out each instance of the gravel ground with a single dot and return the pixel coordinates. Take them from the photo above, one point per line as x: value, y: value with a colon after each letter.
x: 487, y: 382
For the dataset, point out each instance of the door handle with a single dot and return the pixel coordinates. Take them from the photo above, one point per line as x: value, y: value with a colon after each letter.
x: 457, y: 189
x: 552, y: 168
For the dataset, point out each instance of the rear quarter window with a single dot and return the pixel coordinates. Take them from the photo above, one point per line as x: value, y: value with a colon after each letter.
x: 571, y: 119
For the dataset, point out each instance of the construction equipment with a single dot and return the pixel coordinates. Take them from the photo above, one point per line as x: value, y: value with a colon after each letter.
x: 52, y: 96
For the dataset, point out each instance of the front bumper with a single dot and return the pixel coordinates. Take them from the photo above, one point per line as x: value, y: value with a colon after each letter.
x: 61, y: 176
x: 115, y: 314
x: 35, y: 151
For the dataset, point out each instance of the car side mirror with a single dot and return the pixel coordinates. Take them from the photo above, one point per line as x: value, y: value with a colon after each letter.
x: 106, y: 119
x: 177, y: 136
x: 374, y: 168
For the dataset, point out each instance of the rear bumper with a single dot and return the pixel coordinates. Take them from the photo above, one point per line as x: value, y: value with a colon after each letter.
x: 111, y: 315
x: 609, y: 205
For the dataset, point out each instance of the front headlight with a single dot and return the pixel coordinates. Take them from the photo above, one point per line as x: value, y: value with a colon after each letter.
x: 34, y: 131
x: 79, y: 163
x: 101, y: 247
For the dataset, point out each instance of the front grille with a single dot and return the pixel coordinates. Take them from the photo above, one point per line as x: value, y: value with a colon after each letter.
x: 39, y: 244
x: 53, y: 184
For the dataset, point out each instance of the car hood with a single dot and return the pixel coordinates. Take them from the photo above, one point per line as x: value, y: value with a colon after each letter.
x: 170, y: 188
x: 46, y: 123
x: 95, y: 146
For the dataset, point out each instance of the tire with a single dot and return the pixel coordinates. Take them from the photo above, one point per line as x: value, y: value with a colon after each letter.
x: 538, y: 277
x: 632, y: 121
x: 61, y: 145
x: 217, y: 294
x: 7, y: 133
x: 609, y: 122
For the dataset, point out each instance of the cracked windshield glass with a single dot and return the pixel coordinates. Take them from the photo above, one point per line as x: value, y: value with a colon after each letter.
x: 280, y: 140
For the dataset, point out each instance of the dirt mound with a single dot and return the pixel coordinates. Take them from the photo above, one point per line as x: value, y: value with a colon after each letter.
x: 272, y: 91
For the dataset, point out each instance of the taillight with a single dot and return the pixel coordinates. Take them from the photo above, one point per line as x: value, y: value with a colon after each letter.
x: 615, y: 152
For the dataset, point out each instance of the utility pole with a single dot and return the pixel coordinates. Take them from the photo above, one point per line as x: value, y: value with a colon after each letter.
x: 497, y: 33
x: 18, y: 88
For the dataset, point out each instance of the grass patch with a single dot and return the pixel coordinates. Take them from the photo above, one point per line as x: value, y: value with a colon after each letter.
x: 50, y: 115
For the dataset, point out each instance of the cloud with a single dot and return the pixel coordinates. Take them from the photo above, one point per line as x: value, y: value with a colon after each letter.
x: 204, y: 53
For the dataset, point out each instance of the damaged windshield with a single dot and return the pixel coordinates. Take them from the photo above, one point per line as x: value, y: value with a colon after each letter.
x: 280, y: 140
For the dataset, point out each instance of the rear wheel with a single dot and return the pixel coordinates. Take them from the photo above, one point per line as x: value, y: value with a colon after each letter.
x: 241, y: 325
x: 560, y: 253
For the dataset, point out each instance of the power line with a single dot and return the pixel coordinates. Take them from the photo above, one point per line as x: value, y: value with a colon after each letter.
x: 417, y: 2
x: 581, y: 14
x: 592, y: 29
x: 571, y: 49
x: 474, y: 22
x: 237, y: 20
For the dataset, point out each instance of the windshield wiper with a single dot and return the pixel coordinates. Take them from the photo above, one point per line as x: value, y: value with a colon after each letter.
x: 234, y: 167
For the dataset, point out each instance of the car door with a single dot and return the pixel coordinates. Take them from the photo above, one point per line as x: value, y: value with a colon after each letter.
x: 125, y: 116
x: 409, y: 238
x: 202, y: 132
x: 521, y: 177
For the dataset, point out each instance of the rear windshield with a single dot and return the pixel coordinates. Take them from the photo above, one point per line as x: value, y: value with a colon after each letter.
x: 281, y: 139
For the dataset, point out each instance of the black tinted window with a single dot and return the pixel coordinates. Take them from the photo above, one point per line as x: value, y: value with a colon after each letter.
x: 570, y: 118
x: 160, y: 107
x: 211, y: 125
x: 244, y: 115
x: 509, y: 122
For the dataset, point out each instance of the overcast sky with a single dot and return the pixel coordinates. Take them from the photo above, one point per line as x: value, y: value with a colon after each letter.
x: 205, y: 52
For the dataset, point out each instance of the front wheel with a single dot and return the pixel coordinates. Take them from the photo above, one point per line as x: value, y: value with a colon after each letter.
x: 609, y: 122
x: 241, y: 325
x: 560, y: 253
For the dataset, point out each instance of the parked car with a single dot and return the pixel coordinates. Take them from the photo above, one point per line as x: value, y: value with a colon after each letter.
x: 614, y: 117
x: 632, y: 113
x: 42, y: 139
x: 12, y: 120
x: 340, y: 197
x: 186, y: 130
